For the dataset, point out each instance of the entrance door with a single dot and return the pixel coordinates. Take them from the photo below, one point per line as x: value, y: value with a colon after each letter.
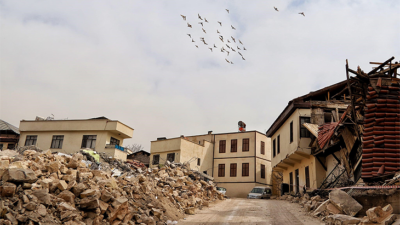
x: 296, y: 172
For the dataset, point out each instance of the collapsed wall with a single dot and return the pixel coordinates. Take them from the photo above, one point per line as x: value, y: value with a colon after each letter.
x: 46, y: 188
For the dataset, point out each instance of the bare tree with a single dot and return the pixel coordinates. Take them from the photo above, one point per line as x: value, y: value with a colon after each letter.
x: 135, y: 147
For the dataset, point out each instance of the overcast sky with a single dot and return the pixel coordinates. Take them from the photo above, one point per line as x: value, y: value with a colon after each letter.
x: 132, y: 61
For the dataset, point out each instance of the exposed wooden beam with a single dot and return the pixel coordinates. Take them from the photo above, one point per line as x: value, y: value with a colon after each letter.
x: 380, y: 66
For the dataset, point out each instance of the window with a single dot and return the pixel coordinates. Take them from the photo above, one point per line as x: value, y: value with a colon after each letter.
x: 57, y: 141
x: 307, y: 177
x: 89, y: 141
x: 291, y: 132
x: 290, y: 182
x: 114, y: 141
x: 233, y: 169
x: 274, y: 148
x: 30, y: 140
x: 263, y: 148
x: 245, y: 169
x: 1, y: 146
x: 205, y: 171
x: 296, y: 174
x: 221, y: 170
x: 222, y: 145
x: 303, y: 131
x: 245, y: 147
x: 171, y: 157
x: 279, y: 144
x: 234, y: 145
x: 262, y: 171
x: 198, y: 161
x: 10, y: 146
x: 156, y: 159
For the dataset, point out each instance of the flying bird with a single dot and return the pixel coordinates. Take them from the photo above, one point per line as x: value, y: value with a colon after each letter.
x: 201, y: 23
x: 240, y: 54
x: 276, y: 9
x: 238, y: 47
x: 210, y: 49
x: 199, y: 16
x: 204, y: 42
x: 227, y: 46
x: 244, y: 48
x: 233, y: 27
x: 233, y: 49
x: 218, y: 32
x: 197, y: 46
x: 205, y: 20
x: 227, y: 10
x: 189, y: 35
x: 233, y: 39
x: 240, y: 42
x: 215, y: 46
x: 192, y: 40
x: 221, y: 38
x: 302, y: 13
x: 231, y: 62
x: 222, y: 49
x: 227, y: 60
x: 228, y: 41
x: 189, y: 25
x: 183, y: 17
x: 243, y: 58
x: 219, y: 23
x: 204, y: 30
x: 227, y: 52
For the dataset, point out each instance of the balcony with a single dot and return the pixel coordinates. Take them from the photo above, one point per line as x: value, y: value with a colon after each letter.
x: 116, y: 147
x: 116, y: 151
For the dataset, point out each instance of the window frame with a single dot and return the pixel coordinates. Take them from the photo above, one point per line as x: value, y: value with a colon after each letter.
x: 302, y: 128
x: 11, y: 146
x: 245, y: 144
x: 233, y: 170
x: 307, y: 175
x: 221, y: 170
x: 114, y: 141
x: 55, y: 139
x: 274, y: 148
x: 262, y: 148
x: 169, y: 155
x: 245, y: 169
x: 234, y: 145
x: 92, y: 142
x: 278, y: 147
x: 198, y: 161
x: 291, y: 132
x: 154, y: 159
x: 31, y: 138
x: 290, y: 181
x: 262, y: 171
x: 222, y: 146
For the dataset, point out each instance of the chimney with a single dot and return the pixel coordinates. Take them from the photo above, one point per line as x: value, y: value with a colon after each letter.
x: 210, y: 132
x: 161, y: 138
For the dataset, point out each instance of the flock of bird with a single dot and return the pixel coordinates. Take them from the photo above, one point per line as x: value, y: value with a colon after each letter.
x: 225, y: 48
x: 229, y: 49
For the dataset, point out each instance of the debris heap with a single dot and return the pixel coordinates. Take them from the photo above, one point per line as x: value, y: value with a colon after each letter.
x: 46, y: 188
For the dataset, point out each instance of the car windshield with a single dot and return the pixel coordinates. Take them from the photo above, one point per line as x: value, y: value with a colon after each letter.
x: 257, y: 190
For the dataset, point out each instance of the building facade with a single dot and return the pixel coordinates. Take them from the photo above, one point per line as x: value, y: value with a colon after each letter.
x: 69, y: 136
x: 9, y: 136
x: 291, y: 140
x: 237, y: 161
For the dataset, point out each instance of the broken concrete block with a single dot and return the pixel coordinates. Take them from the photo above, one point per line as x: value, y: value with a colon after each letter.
x: 321, y: 208
x: 340, y: 219
x: 53, y: 167
x: 344, y: 202
x: 89, y: 203
x: 332, y: 209
x: 87, y: 193
x: 67, y: 196
x: 8, y: 189
x: 42, y: 210
x: 62, y: 185
x: 377, y: 214
x: 190, y: 211
x: 31, y: 206
x: 19, y: 175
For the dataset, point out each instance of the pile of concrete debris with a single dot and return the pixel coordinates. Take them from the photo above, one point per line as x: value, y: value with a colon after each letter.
x: 341, y: 209
x: 46, y: 188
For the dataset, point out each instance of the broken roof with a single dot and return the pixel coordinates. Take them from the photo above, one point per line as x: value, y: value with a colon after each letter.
x: 6, y: 127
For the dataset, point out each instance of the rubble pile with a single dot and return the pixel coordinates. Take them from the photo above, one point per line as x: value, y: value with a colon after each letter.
x: 340, y: 209
x: 46, y: 188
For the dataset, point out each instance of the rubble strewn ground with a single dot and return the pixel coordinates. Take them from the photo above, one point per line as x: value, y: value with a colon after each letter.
x: 46, y: 188
x: 341, y: 209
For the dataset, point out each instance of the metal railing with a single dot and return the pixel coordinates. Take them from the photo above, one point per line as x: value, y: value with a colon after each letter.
x: 116, y: 147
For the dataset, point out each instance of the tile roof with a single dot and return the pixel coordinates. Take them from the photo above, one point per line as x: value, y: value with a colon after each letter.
x: 4, y: 126
x: 326, y: 130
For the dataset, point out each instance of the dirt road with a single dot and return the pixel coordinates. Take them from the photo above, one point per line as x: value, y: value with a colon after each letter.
x: 252, y: 211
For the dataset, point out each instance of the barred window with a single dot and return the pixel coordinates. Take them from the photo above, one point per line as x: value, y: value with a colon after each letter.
x: 262, y: 171
x: 245, y: 146
x: 233, y: 169
x: 245, y: 169
x: 303, y: 131
x: 114, y: 141
x: 221, y: 170
x: 30, y: 140
x: 234, y: 145
x: 171, y: 157
x: 57, y: 141
x: 222, y: 146
x: 262, y: 148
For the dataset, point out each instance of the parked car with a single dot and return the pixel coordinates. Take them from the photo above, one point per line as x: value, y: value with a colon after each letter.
x: 260, y: 192
x: 222, y: 190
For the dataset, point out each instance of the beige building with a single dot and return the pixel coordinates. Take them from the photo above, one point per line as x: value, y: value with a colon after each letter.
x: 69, y: 136
x: 237, y: 161
x: 291, y: 141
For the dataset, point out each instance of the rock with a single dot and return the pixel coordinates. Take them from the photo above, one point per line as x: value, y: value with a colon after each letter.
x: 67, y: 196
x: 340, y: 219
x: 53, y: 167
x: 316, y: 198
x: 42, y: 210
x: 8, y: 189
x: 344, y: 202
x: 75, y: 160
x: 65, y: 206
x: 190, y: 211
x: 19, y: 175
x: 321, y: 208
x: 12, y: 219
x: 332, y: 209
x: 106, y: 196
x: 31, y: 206
x: 62, y: 185
x: 379, y: 214
x: 89, y: 203
x: 87, y: 193
x: 43, y: 196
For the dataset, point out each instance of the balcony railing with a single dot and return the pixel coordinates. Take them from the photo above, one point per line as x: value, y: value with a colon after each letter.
x: 116, y: 147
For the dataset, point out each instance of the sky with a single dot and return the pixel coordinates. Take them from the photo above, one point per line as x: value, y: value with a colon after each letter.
x: 133, y: 61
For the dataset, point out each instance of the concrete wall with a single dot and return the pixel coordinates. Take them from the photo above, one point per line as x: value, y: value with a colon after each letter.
x: 163, y: 157
x: 239, y: 177
x: 191, y: 151
x: 287, y: 147
x: 239, y: 137
x: 373, y: 200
